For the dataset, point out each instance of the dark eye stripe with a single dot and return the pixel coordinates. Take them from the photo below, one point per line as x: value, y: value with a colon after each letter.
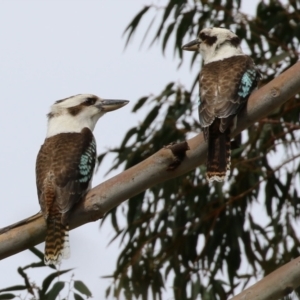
x: 207, y: 39
x: 89, y: 101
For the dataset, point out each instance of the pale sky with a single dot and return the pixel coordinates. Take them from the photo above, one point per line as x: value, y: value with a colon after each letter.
x: 51, y: 50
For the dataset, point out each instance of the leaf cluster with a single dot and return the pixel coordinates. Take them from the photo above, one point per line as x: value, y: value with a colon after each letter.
x: 51, y: 287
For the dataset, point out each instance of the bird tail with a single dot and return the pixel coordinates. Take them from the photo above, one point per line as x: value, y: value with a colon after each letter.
x: 218, y: 155
x: 57, y: 240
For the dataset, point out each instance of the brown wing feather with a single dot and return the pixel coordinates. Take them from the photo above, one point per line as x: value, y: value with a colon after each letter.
x: 220, y: 82
x: 58, y: 167
x: 218, y: 93
x: 62, y: 180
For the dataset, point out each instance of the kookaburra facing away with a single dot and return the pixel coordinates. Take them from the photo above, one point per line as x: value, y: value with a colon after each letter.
x: 227, y: 78
x: 65, y: 165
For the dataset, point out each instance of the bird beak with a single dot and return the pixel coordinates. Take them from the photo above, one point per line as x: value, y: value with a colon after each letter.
x: 191, y: 46
x: 110, y: 105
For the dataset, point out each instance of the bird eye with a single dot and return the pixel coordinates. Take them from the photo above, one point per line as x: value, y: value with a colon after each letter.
x: 89, y: 101
x: 203, y: 36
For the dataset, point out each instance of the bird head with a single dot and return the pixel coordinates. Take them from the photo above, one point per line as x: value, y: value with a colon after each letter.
x: 77, y: 112
x: 215, y: 44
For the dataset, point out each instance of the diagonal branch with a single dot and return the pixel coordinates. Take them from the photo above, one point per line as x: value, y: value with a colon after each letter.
x: 276, y: 285
x: 165, y: 164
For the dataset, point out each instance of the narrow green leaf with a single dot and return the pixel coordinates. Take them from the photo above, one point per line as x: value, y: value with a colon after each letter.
x: 56, y: 289
x: 7, y: 296
x: 14, y: 288
x: 82, y: 288
x: 167, y: 35
x: 134, y: 23
x: 150, y: 118
x: 77, y: 297
x: 167, y: 12
x: 140, y: 103
x: 37, y: 252
x: 100, y: 159
x: 107, y: 292
x: 114, y: 221
x: 48, y: 280
x: 148, y: 30
x: 128, y: 136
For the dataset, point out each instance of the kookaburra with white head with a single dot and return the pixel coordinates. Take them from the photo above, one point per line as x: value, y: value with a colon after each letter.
x: 65, y: 165
x: 227, y: 78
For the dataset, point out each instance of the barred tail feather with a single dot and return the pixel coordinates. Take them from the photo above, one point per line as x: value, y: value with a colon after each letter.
x: 66, y: 253
x: 57, y: 240
x: 218, y: 156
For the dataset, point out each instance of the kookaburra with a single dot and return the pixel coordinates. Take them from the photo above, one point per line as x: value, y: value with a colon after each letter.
x: 226, y: 80
x: 65, y: 165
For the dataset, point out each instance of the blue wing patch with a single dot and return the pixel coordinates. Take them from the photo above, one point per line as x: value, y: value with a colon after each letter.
x: 247, y: 82
x: 87, y: 162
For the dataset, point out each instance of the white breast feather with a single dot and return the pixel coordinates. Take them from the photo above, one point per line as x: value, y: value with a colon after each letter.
x: 68, y: 123
x: 226, y: 51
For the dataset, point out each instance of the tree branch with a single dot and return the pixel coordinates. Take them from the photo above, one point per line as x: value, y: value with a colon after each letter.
x: 276, y: 285
x: 165, y: 164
